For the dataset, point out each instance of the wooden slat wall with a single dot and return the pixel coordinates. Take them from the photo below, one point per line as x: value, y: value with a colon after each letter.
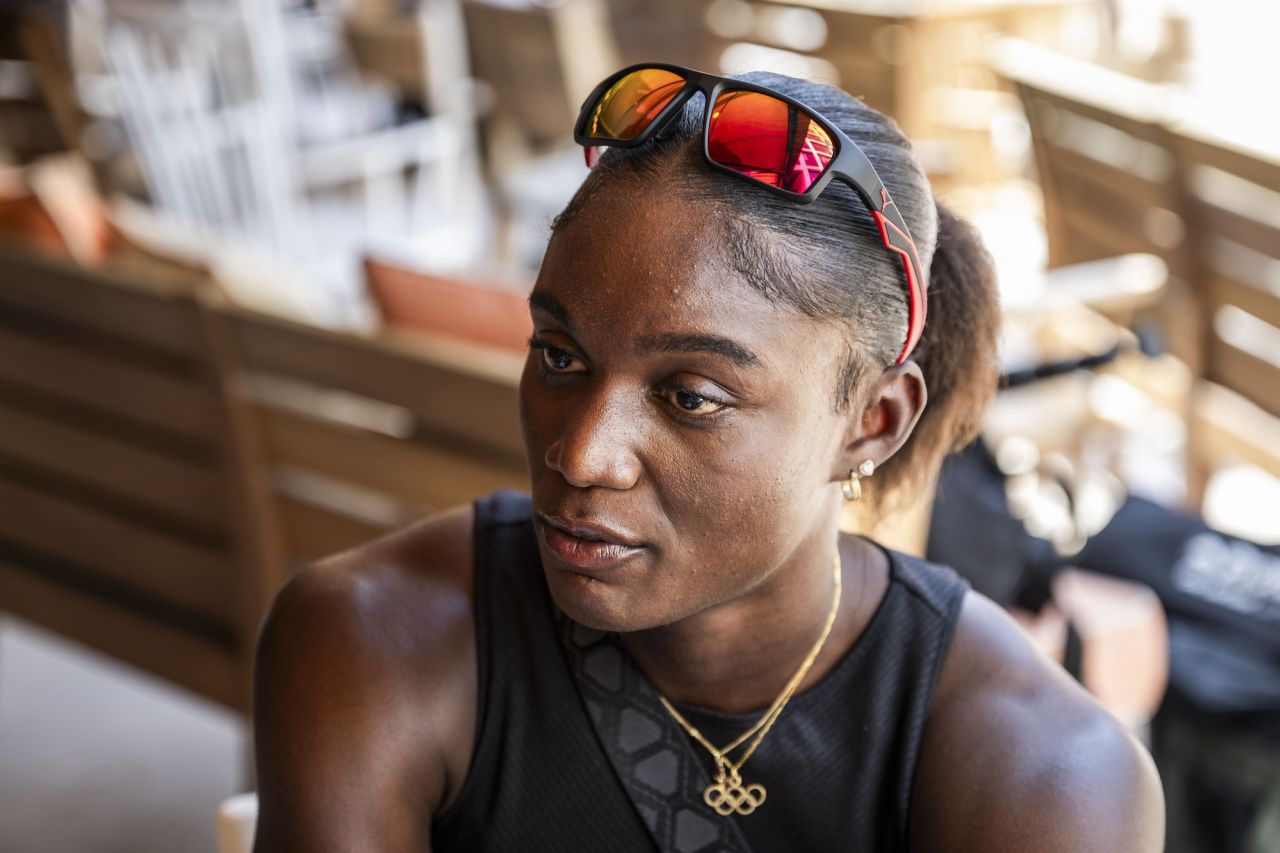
x: 1257, y: 167
x: 1230, y: 426
x: 1260, y: 236
x: 1224, y: 289
x: 1102, y: 154
x: 1244, y: 372
x: 1079, y: 165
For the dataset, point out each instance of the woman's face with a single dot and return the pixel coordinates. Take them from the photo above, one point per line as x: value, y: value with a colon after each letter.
x: 668, y: 406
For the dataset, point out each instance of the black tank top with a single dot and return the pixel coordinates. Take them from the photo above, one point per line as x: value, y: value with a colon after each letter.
x: 838, y: 764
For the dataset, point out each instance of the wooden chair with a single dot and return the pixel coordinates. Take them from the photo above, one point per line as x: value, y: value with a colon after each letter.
x: 362, y: 435
x: 121, y: 519
x: 1107, y: 172
x: 1232, y: 203
x: 538, y: 61
x: 662, y: 31
x: 924, y: 64
x: 29, y: 122
x: 1102, y: 156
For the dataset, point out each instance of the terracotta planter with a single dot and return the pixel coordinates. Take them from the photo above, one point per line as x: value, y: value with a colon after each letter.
x: 475, y: 311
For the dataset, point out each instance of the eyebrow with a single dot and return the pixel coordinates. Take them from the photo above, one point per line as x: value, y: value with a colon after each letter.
x: 713, y: 344
x: 552, y: 306
x: 666, y: 342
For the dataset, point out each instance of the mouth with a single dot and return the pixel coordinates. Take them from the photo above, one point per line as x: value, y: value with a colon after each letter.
x: 587, y: 545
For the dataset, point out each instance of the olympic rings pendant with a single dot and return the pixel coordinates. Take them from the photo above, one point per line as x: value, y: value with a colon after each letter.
x: 728, y: 795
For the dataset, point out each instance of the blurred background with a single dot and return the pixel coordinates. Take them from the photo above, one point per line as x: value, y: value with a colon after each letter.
x: 262, y: 277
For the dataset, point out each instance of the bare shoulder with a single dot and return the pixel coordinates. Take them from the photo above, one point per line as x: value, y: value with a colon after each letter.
x: 364, y: 692
x: 1017, y: 756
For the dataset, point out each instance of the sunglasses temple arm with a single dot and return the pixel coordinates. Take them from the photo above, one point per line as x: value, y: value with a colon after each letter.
x: 897, y: 240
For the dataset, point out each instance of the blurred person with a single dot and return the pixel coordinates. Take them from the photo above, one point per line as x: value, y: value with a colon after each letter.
x: 670, y: 644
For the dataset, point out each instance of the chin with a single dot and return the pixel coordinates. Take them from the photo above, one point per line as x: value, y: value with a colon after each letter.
x: 598, y: 604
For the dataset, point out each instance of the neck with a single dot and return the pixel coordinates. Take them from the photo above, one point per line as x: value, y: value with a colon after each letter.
x: 739, y: 655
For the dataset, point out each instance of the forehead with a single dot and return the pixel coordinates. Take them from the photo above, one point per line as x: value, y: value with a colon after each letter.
x: 635, y: 263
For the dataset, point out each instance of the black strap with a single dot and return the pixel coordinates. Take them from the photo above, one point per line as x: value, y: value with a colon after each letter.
x: 654, y: 759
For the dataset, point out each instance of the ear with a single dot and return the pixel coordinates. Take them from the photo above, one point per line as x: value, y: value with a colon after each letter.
x: 884, y: 422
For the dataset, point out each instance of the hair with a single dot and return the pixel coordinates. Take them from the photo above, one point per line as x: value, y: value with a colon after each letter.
x: 827, y: 261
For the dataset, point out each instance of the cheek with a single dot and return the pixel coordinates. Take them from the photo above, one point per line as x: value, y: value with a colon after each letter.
x: 744, y: 497
x: 524, y: 390
x: 535, y: 414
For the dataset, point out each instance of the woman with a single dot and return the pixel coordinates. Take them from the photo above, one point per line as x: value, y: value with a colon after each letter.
x: 670, y: 645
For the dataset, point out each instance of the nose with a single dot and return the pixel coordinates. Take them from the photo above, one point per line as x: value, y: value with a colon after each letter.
x: 596, y: 447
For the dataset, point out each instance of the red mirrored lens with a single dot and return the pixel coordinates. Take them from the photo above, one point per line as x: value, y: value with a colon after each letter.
x: 629, y: 105
x: 769, y: 140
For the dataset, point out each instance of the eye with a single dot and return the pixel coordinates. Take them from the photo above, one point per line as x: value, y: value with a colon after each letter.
x: 690, y: 402
x: 553, y: 358
x: 556, y: 359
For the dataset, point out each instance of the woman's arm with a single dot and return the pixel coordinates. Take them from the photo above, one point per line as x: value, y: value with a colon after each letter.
x: 364, y: 701
x: 1018, y: 757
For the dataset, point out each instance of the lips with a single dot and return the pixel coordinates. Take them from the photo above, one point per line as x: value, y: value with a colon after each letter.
x: 588, y: 545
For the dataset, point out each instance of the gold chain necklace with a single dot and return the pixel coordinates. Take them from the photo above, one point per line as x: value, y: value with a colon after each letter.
x: 727, y: 794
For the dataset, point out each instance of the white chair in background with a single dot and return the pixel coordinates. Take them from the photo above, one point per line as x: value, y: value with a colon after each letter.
x: 237, y: 820
x: 251, y: 126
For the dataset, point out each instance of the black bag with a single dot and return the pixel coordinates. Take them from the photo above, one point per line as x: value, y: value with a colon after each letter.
x: 973, y: 531
x: 1216, y: 736
x: 1222, y: 596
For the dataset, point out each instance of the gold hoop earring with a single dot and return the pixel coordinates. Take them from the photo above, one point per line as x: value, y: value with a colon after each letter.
x: 852, y: 487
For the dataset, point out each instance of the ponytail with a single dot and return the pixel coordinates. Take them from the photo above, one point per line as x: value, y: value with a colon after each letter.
x: 956, y: 354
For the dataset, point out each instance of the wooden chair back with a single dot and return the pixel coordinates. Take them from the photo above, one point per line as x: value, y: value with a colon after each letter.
x: 29, y: 122
x: 662, y: 31
x: 120, y: 523
x: 360, y: 435
x: 1108, y: 174
x: 1233, y: 209
x: 1102, y: 156
x: 1232, y: 203
x: 539, y: 61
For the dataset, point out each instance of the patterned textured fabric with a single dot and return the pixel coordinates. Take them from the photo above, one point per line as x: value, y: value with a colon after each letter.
x: 573, y: 752
x: 651, y: 756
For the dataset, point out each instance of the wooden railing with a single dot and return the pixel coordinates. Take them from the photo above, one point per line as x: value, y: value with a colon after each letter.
x: 1122, y: 170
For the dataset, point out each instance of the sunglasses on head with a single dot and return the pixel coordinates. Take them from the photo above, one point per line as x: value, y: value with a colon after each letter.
x: 755, y: 133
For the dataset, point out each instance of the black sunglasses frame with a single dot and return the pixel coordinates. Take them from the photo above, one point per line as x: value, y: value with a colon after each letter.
x: 849, y: 164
